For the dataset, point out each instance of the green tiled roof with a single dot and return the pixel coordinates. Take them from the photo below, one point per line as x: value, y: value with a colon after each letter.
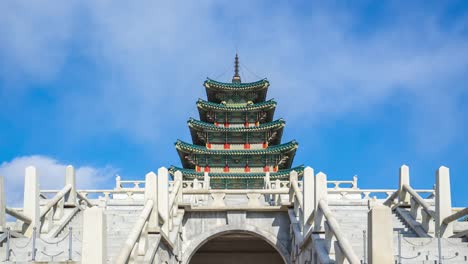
x: 192, y: 174
x: 190, y: 148
x: 235, y: 108
x: 209, y: 83
x: 211, y: 127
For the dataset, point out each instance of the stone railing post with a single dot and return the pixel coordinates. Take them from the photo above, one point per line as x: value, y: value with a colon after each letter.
x: 308, y: 189
x: 292, y: 178
x: 118, y: 184
x: 321, y: 192
x: 380, y: 235
x: 31, y: 200
x: 206, y: 181
x: 443, y: 201
x: 277, y: 197
x: 179, y: 177
x: 93, y: 248
x: 267, y: 183
x: 404, y: 197
x: 355, y: 178
x: 2, y: 205
x: 163, y: 197
x: 70, y: 178
x: 151, y: 193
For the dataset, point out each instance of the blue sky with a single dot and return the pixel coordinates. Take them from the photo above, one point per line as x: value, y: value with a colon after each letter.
x: 365, y: 86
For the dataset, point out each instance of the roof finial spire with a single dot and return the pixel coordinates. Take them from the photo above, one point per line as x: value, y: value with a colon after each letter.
x: 236, y: 78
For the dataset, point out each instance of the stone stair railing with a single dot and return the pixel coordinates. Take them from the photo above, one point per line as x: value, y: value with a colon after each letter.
x: 420, y: 210
x: 40, y: 215
x: 335, y: 241
x: 437, y: 220
x: 458, y: 214
x: 312, y: 221
x: 313, y: 224
x: 138, y: 235
x: 42, y: 218
x: 157, y: 217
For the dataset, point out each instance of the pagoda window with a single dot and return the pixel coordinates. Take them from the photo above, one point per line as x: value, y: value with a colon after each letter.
x: 215, y: 120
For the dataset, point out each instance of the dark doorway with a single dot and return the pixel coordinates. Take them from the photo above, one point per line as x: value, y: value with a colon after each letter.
x: 236, y: 248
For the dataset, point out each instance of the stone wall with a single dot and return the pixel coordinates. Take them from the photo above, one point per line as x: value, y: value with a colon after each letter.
x: 201, y: 227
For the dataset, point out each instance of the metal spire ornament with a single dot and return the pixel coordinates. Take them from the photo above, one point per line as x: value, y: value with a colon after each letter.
x: 236, y: 78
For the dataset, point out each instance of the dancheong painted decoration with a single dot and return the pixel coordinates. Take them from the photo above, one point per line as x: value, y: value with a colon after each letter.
x: 236, y: 141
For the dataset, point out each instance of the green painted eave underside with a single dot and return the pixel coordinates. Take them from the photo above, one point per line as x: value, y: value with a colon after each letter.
x: 190, y: 174
x: 190, y: 148
x: 212, y: 84
x: 235, y: 108
x: 204, y: 126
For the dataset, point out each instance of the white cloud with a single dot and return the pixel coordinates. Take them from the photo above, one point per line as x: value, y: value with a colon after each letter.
x: 153, y: 55
x: 51, y: 176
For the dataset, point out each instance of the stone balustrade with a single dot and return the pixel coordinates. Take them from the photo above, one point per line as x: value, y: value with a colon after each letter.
x: 128, y: 184
x: 316, y: 234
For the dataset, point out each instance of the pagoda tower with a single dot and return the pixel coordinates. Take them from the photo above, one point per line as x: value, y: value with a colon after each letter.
x: 236, y: 140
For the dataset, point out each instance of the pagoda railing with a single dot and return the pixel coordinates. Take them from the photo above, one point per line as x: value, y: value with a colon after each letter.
x: 237, y: 146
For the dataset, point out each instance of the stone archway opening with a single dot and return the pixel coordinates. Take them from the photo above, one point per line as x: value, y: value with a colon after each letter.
x: 236, y: 248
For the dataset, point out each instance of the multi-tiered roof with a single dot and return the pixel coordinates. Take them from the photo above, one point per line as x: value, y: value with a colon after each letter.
x: 236, y: 140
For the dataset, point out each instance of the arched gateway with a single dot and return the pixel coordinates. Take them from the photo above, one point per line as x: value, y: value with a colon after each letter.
x: 228, y: 245
x: 237, y: 233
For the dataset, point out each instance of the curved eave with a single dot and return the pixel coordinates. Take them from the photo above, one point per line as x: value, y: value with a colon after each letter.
x: 187, y: 148
x: 209, y: 106
x: 198, y: 129
x: 222, y: 86
x: 189, y: 174
x: 204, y: 126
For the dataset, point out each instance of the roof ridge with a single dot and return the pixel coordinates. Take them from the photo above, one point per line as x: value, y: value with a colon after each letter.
x: 210, y: 83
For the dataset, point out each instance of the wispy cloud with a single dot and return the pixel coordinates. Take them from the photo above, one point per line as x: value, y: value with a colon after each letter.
x: 51, y: 175
x: 323, y: 61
